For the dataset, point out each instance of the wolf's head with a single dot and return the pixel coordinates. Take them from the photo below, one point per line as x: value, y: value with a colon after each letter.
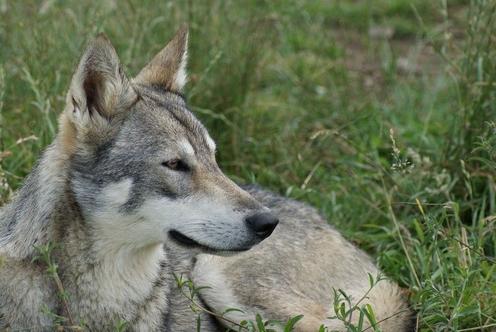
x: 143, y: 168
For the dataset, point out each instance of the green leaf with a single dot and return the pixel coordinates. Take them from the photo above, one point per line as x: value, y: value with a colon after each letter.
x: 198, y: 323
x: 369, y: 312
x: 260, y: 323
x: 292, y: 322
x: 360, y: 320
x: 232, y: 310
x: 371, y: 280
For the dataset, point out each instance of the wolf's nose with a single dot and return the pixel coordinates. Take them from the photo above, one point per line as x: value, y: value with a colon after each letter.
x: 263, y: 224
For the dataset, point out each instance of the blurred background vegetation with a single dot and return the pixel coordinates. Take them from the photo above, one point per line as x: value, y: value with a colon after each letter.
x: 380, y: 113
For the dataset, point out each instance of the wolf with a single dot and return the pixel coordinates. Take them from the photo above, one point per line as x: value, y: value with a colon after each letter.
x: 129, y: 195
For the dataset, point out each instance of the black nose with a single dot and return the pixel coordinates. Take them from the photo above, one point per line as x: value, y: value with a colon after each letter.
x: 263, y: 224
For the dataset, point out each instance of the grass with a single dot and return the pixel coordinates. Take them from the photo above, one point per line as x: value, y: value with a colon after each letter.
x: 381, y: 114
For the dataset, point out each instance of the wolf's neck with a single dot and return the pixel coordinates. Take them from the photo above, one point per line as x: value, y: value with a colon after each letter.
x: 27, y: 221
x: 130, y: 284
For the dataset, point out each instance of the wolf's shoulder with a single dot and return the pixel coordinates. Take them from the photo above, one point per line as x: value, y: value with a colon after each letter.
x: 284, y: 206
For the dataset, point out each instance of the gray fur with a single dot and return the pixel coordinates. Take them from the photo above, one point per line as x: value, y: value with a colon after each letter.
x: 295, y: 271
x: 105, y: 193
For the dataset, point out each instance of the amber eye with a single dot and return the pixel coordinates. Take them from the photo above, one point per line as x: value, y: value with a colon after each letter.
x: 176, y: 165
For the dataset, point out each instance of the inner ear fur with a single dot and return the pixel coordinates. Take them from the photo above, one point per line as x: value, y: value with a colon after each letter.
x: 98, y: 94
x: 99, y: 83
x: 167, y: 69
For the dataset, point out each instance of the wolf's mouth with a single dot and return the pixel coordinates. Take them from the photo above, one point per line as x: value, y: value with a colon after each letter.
x: 184, y: 240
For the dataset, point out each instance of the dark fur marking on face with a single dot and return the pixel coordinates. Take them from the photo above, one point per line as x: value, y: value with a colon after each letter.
x: 168, y: 193
x: 102, y: 152
x: 85, y: 164
x: 137, y: 196
x: 90, y: 171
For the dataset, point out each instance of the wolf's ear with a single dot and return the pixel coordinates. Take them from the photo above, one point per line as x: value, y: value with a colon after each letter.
x: 99, y: 89
x: 168, y: 68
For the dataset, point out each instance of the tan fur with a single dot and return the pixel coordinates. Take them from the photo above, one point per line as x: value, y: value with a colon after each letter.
x: 67, y: 134
x: 295, y: 271
x: 167, y: 67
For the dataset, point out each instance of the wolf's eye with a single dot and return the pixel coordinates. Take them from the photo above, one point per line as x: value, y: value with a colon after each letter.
x: 176, y: 165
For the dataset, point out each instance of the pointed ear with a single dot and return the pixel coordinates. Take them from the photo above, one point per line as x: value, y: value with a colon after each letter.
x: 99, y: 89
x: 168, y: 68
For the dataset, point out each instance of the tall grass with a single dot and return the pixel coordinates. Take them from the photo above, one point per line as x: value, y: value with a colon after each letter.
x: 301, y: 98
